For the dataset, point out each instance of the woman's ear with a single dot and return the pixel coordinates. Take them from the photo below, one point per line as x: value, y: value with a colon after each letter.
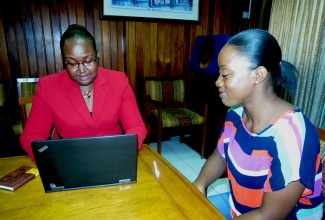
x: 260, y: 74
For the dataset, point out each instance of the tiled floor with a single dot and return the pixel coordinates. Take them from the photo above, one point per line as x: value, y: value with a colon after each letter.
x: 189, y: 163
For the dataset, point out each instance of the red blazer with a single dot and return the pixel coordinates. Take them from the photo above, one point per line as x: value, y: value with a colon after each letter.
x: 58, y: 101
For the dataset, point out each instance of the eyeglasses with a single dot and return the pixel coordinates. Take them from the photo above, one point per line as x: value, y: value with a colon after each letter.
x: 75, y: 65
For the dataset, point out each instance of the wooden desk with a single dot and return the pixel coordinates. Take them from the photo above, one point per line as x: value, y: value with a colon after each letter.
x: 167, y: 195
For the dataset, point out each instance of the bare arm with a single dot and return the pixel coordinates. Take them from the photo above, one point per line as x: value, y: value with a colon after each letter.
x: 211, y: 171
x: 277, y: 205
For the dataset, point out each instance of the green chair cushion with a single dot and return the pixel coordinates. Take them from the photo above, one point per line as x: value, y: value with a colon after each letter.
x: 28, y: 89
x: 174, y: 90
x: 28, y: 107
x: 18, y: 128
x: 175, y: 117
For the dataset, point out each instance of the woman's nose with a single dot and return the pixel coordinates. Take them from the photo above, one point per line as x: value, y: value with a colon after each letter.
x: 219, y: 81
x: 81, y: 67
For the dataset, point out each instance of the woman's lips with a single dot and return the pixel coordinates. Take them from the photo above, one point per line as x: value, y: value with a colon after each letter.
x: 84, y: 78
x: 221, y: 94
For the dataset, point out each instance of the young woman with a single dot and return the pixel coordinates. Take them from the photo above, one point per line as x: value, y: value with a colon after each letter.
x: 84, y: 99
x: 268, y: 146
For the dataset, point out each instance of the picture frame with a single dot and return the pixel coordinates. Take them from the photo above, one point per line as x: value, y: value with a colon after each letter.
x: 184, y: 11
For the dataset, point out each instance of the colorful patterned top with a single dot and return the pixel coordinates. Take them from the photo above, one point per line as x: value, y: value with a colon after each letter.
x: 286, y: 151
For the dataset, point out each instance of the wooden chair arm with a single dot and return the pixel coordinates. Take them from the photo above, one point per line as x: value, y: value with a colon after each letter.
x: 154, y: 102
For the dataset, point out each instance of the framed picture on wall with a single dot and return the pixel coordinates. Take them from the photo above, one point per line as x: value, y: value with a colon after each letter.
x: 152, y: 10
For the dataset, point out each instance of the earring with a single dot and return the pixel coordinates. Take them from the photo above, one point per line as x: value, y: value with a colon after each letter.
x: 257, y: 82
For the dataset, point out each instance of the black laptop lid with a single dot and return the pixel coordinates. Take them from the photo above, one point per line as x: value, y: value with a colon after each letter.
x: 67, y: 164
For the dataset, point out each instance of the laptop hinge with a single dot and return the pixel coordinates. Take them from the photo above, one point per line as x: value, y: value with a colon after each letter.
x: 125, y: 181
x: 56, y: 188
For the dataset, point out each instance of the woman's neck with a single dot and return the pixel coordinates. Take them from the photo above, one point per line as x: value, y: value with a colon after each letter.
x: 86, y: 88
x: 259, y: 116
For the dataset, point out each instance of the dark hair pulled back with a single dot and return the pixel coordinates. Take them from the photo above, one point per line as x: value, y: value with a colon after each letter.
x: 77, y: 30
x: 261, y: 49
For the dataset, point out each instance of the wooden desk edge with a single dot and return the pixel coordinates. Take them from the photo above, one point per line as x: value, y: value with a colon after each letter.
x: 207, y: 209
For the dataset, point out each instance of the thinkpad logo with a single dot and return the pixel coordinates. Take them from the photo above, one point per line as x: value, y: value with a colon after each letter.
x: 43, y: 149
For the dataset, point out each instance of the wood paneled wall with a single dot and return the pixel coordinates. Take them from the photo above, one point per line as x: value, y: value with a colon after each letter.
x: 30, y: 32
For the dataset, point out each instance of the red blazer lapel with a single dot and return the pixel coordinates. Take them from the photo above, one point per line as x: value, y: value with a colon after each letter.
x: 101, y: 96
x: 76, y: 99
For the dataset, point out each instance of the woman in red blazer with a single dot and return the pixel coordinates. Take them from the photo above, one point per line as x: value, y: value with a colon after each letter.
x: 84, y: 99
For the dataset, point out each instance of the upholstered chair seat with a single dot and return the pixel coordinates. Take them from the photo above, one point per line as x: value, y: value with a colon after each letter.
x: 174, y: 117
x: 166, y: 108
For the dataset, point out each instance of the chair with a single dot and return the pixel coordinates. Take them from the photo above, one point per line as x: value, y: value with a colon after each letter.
x: 4, y: 107
x: 26, y: 90
x: 26, y: 86
x: 165, y: 100
x: 25, y: 104
x: 2, y: 93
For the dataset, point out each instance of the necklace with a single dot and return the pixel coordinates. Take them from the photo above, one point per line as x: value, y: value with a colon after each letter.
x: 87, y: 94
x: 88, y: 98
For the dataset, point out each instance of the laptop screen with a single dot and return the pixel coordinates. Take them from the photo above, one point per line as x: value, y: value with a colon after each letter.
x: 67, y: 164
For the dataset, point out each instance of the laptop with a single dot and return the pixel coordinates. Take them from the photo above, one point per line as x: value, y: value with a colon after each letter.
x: 67, y: 164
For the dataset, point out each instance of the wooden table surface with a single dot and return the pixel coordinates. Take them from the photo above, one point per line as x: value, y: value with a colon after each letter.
x: 160, y: 193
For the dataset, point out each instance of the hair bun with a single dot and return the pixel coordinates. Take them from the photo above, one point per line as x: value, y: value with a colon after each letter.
x: 76, y: 26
